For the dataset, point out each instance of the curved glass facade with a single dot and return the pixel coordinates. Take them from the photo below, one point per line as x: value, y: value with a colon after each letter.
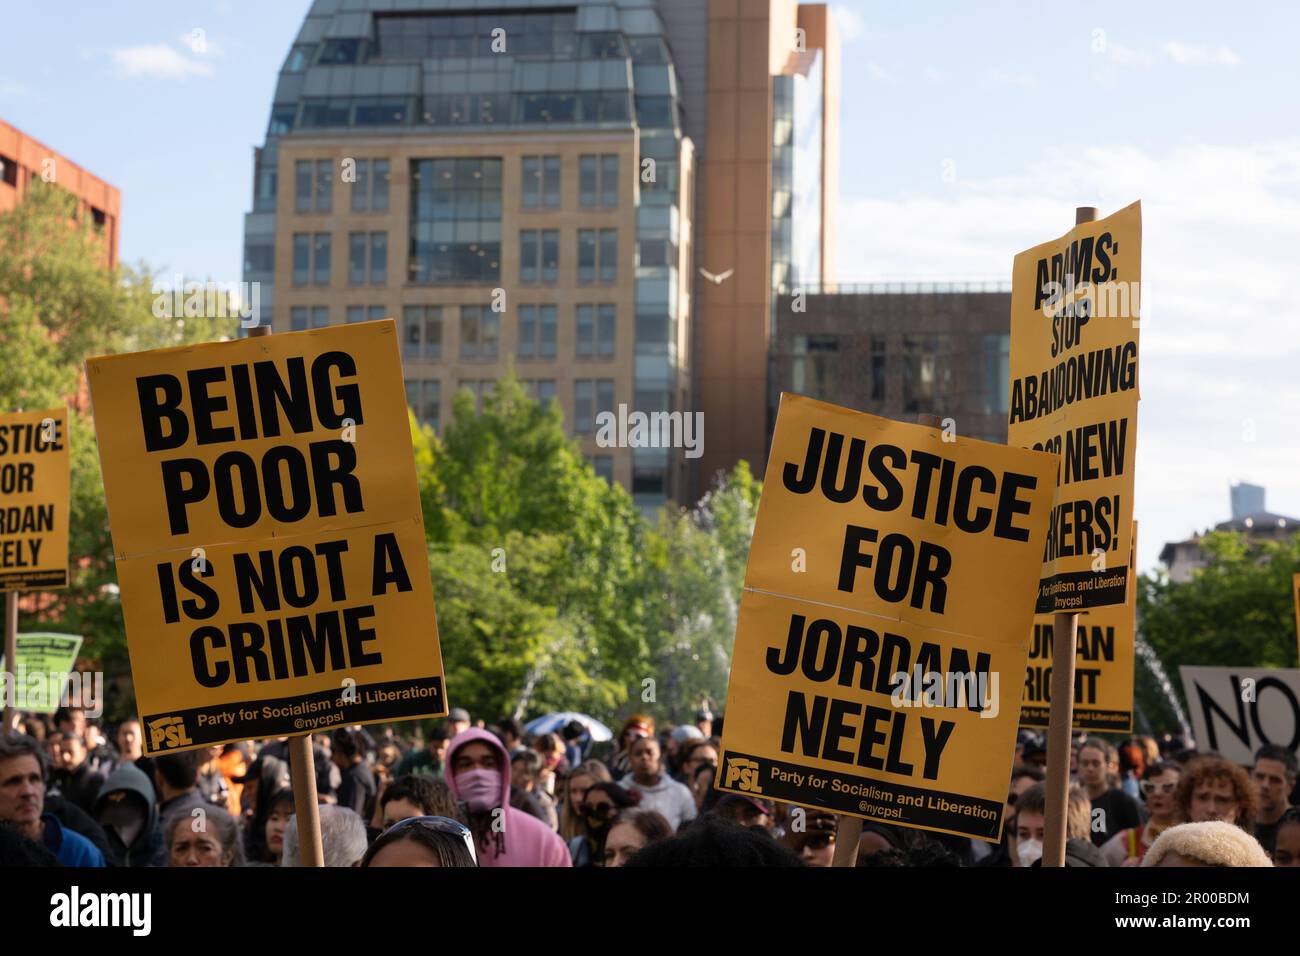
x: 434, y: 100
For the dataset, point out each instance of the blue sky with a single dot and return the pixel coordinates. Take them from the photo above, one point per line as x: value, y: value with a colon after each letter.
x: 969, y: 132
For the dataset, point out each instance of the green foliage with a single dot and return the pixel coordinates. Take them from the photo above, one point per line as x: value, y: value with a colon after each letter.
x: 59, y: 305
x: 1236, y: 611
x: 587, y: 600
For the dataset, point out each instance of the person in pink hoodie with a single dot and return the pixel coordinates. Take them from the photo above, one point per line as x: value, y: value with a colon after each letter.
x: 479, y: 776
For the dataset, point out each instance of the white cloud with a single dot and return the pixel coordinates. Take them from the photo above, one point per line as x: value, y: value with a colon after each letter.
x: 11, y: 88
x: 158, y: 61
x: 1195, y: 54
x: 849, y: 22
x: 1221, y: 318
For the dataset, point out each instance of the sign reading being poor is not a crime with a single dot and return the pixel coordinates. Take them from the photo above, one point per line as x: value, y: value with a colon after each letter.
x: 34, y: 489
x: 880, y: 647
x: 269, y: 542
x: 1074, y: 392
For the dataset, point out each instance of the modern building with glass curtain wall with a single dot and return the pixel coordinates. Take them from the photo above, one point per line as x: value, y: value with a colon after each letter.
x: 512, y: 184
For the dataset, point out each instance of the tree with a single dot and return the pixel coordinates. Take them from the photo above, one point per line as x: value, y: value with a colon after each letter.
x: 1236, y: 611
x: 60, y: 304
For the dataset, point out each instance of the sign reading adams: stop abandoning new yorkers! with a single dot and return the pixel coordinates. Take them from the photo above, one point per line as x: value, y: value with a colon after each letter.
x: 34, y: 491
x: 1074, y: 392
x: 267, y: 528
x: 880, y: 648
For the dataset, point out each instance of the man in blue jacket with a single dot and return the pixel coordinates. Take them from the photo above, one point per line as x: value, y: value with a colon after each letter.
x: 22, y: 802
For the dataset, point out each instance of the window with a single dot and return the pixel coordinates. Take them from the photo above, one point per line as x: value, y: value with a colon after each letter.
x: 595, y: 327
x: 366, y: 313
x: 303, y: 317
x: 467, y: 34
x: 655, y: 253
x: 591, y: 396
x: 320, y: 261
x: 654, y: 111
x: 313, y: 185
x: 259, y: 257
x: 877, y: 368
x: 608, y: 255
x: 281, y: 119
x: 598, y: 180
x: 586, y: 255
x: 537, y: 327
x: 370, y: 190
x: 422, y: 398
x: 455, y: 220
x: 816, y: 365
x: 609, y: 180
x: 480, y: 332
x: 540, y: 390
x: 361, y: 187
x: 539, y: 255
x: 301, y: 258
x: 324, y: 185
x: 298, y: 59
x: 422, y: 332
x: 340, y: 52
x: 367, y: 258
x: 304, y: 188
x: 311, y: 258
x: 382, y: 111
x: 996, y: 355
x: 481, y: 388
x: 927, y: 373
x: 379, y: 186
x: 604, y: 467
x: 541, y: 182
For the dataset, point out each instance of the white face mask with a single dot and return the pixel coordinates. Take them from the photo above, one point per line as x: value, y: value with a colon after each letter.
x: 1029, y: 851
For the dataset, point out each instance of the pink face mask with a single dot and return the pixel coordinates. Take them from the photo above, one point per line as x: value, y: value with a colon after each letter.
x: 481, y: 789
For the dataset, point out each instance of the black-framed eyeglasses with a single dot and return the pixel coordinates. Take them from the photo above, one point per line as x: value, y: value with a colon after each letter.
x: 601, y: 810
x: 439, y: 825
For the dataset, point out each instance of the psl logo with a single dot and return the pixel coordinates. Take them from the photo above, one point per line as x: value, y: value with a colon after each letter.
x: 169, y: 729
x: 742, y: 774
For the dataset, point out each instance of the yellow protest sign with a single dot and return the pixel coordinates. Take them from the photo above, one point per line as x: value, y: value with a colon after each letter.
x: 267, y: 529
x: 34, y: 490
x: 881, y: 636
x: 1105, y: 654
x: 1074, y: 392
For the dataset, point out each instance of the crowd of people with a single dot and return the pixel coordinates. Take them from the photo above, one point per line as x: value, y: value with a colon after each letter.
x: 466, y: 793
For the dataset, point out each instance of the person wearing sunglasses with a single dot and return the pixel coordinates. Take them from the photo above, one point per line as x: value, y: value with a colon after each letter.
x: 423, y: 841
x: 601, y: 804
x: 1159, y: 788
x: 813, y: 838
x: 479, y: 777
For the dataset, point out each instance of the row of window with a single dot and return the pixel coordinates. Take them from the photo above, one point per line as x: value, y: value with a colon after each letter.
x: 435, y: 34
x: 591, y: 396
x: 928, y: 364
x: 480, y: 332
x: 539, y: 179
x: 477, y: 109
x: 539, y: 257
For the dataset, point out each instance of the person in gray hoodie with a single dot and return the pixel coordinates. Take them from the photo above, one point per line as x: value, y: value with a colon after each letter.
x: 126, y: 809
x: 654, y: 789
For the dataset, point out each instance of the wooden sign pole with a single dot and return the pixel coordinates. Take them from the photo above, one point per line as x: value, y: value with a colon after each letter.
x: 1060, y: 721
x: 302, y: 765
